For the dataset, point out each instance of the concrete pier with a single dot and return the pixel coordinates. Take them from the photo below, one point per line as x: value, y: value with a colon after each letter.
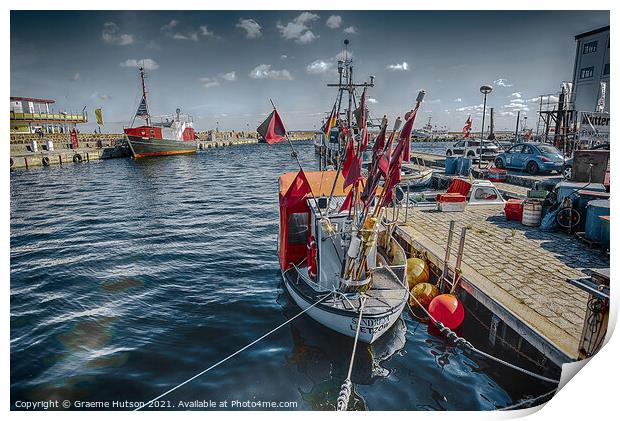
x: 519, y: 274
x: 98, y: 146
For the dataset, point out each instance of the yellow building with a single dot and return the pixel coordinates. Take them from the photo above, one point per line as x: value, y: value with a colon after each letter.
x: 30, y: 114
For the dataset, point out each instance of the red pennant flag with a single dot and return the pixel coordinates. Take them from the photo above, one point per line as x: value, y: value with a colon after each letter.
x: 348, y: 201
x: 349, y: 157
x: 272, y: 129
x: 298, y: 190
x: 405, y: 133
x: 467, y: 127
x: 355, y: 172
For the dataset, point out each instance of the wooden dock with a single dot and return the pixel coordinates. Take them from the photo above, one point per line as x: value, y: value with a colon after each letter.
x: 519, y: 273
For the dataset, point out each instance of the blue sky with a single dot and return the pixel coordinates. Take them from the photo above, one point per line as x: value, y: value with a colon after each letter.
x: 224, y: 66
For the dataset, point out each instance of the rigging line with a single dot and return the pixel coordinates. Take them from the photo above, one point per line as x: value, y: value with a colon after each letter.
x: 466, y: 345
x: 233, y: 354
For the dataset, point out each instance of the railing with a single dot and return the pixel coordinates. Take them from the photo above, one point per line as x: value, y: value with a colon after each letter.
x: 49, y: 117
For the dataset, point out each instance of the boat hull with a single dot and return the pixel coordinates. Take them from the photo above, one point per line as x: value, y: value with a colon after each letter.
x: 345, y: 322
x: 142, y: 148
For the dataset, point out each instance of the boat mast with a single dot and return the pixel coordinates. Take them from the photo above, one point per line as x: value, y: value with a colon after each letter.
x: 345, y: 71
x: 147, y: 116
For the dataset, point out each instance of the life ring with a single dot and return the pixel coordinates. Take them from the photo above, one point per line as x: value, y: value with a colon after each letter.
x: 312, y: 258
x: 45, y: 161
x: 77, y: 158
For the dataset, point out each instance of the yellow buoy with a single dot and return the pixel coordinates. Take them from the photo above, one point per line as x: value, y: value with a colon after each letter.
x: 417, y: 271
x: 424, y: 293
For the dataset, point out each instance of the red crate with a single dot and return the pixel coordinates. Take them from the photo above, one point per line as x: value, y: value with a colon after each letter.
x: 450, y: 197
x: 496, y: 174
x: 514, y: 210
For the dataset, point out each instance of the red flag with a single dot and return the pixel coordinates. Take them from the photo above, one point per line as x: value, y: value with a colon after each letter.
x: 348, y: 201
x: 405, y: 133
x: 355, y: 171
x: 272, y: 129
x: 298, y: 189
x: 349, y: 157
x: 467, y: 127
x: 401, y: 152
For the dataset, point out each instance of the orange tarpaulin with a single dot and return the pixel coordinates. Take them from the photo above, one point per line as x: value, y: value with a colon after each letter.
x: 321, y: 183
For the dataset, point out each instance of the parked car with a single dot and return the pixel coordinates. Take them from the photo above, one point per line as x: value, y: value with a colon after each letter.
x: 568, y: 165
x: 531, y: 157
x: 471, y: 149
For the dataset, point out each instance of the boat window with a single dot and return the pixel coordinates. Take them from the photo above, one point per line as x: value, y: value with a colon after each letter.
x: 485, y: 193
x: 297, y: 228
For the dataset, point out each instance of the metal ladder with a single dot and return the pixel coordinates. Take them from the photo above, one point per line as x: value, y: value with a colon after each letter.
x: 459, y: 259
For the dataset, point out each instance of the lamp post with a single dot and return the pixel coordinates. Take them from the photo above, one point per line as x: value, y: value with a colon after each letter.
x: 484, y: 89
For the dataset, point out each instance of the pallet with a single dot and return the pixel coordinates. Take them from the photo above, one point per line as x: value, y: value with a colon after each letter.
x: 590, y: 243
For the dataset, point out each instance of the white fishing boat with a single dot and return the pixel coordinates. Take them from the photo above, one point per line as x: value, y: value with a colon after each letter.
x: 316, y: 241
x: 413, y: 177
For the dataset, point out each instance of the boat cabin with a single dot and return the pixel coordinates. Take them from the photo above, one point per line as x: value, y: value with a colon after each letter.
x: 309, y: 243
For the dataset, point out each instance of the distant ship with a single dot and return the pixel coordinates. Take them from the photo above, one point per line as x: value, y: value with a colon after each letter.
x: 172, y: 135
x: 428, y: 131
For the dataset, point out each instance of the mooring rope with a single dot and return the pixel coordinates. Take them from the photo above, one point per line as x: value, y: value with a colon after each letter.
x: 345, y: 389
x: 233, y: 354
x: 527, y: 401
x: 466, y: 345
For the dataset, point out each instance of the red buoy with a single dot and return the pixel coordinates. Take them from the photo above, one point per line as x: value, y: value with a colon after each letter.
x: 448, y: 310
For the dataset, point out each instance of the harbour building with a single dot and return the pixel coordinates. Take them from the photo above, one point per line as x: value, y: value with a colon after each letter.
x: 30, y: 114
x: 591, y: 71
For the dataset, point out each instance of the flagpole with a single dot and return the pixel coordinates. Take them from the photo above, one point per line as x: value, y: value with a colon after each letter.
x: 296, y: 156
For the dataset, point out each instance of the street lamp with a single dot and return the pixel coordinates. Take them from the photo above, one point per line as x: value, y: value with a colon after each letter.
x: 484, y: 89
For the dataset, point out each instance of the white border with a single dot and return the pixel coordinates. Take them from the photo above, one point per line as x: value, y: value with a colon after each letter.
x: 590, y: 395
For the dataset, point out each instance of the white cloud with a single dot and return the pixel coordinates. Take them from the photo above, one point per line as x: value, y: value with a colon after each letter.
x: 111, y: 34
x: 172, y: 30
x: 204, y: 31
x: 319, y: 67
x: 147, y: 63
x: 458, y: 100
x: 399, y: 67
x: 334, y: 22
x: 252, y: 29
x: 264, y: 71
x: 372, y: 101
x: 230, y: 76
x: 76, y: 77
x: 516, y: 95
x: 283, y: 57
x: 350, y: 30
x: 298, y: 29
x: 103, y: 97
x: 502, y: 82
x: 213, y: 81
x: 209, y: 82
x: 470, y: 108
x: 344, y: 54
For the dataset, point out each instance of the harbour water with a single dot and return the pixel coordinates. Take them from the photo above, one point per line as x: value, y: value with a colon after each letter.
x: 128, y: 277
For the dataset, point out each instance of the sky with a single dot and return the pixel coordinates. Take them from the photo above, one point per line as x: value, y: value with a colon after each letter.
x: 223, y: 67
